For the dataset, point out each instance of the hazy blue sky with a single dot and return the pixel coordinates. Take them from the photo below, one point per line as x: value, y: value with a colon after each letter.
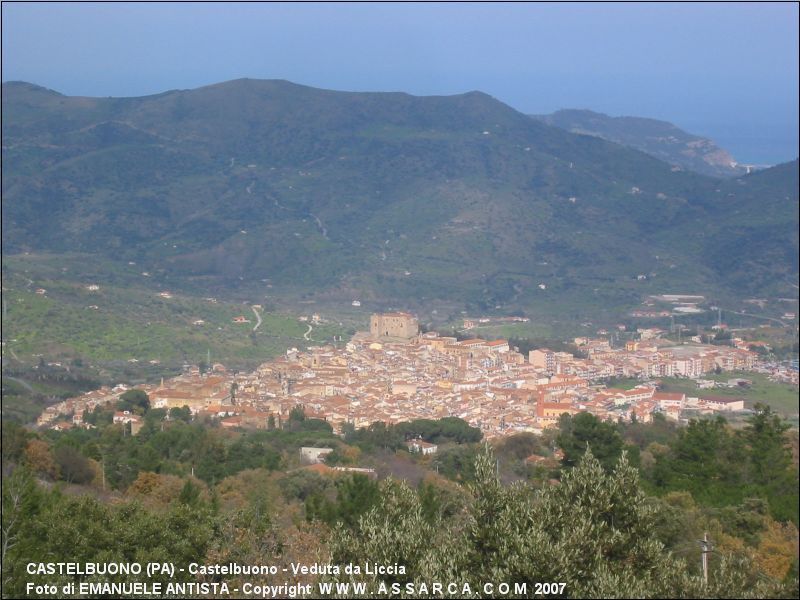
x: 729, y: 71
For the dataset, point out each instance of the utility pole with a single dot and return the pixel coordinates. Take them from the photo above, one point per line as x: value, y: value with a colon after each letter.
x: 706, y: 545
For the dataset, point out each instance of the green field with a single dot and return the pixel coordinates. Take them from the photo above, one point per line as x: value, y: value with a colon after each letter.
x: 780, y: 396
x: 126, y: 323
x: 70, y: 338
x: 508, y: 330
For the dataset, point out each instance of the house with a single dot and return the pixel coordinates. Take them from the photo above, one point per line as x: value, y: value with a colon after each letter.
x: 542, y: 358
x: 126, y: 417
x: 498, y: 345
x: 405, y: 388
x: 668, y: 400
x: 724, y: 403
x: 313, y: 455
x: 371, y: 473
x: 421, y: 446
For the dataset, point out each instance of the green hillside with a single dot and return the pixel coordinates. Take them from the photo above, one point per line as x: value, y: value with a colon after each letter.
x: 661, y: 139
x: 396, y: 199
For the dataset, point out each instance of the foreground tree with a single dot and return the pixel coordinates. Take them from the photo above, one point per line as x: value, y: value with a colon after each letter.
x: 594, y: 532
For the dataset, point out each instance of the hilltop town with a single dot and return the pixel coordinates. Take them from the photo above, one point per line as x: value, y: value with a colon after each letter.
x: 394, y: 373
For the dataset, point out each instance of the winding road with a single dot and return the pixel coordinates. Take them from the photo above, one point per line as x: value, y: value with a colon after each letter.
x: 22, y: 382
x: 258, y: 318
x: 305, y: 335
x: 322, y: 229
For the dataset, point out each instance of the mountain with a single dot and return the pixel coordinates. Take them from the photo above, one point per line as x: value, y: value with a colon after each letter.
x: 657, y: 138
x: 254, y: 185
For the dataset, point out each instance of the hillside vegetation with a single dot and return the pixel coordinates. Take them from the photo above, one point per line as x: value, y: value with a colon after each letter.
x: 661, y: 139
x: 620, y: 515
x: 387, y: 196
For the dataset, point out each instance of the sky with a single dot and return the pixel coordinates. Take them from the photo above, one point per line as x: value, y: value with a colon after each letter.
x: 727, y: 71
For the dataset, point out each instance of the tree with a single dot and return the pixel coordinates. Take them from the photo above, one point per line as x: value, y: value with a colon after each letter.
x: 355, y: 495
x: 769, y: 462
x: 394, y: 531
x: 73, y: 466
x: 15, y: 440
x: 583, y: 431
x: 20, y: 499
x: 135, y: 401
x: 297, y: 414
x: 777, y: 549
x: 593, y: 532
x: 190, y: 494
x: 234, y: 388
x: 183, y: 413
x: 707, y: 460
x: 86, y: 530
x: 40, y: 460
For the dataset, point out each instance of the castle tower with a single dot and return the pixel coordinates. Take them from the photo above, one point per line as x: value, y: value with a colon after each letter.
x: 399, y: 325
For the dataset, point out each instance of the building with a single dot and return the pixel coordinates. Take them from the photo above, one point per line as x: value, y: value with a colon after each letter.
x: 393, y: 325
x: 314, y: 455
x: 126, y: 417
x: 667, y: 400
x: 723, y: 403
x: 543, y: 358
x: 421, y: 446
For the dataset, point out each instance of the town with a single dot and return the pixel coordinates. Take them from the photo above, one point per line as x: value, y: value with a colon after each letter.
x: 394, y: 373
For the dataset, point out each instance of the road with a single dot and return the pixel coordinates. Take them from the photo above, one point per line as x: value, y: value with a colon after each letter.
x: 744, y: 314
x: 306, y: 334
x: 258, y: 318
x: 323, y: 230
x: 22, y: 382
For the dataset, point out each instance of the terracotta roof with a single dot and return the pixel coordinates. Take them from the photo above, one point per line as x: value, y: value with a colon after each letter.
x: 722, y: 399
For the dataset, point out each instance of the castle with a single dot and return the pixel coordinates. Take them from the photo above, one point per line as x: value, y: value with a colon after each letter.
x: 393, y: 325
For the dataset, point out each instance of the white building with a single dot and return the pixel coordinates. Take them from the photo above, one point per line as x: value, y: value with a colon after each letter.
x: 421, y: 446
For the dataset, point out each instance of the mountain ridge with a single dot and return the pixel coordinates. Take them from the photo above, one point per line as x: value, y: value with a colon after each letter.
x: 346, y: 192
x: 660, y: 139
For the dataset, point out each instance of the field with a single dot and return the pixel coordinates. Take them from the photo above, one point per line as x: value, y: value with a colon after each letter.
x: 62, y: 335
x: 120, y: 322
x: 781, y: 397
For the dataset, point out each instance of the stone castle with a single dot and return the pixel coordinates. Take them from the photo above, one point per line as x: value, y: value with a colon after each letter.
x: 393, y: 325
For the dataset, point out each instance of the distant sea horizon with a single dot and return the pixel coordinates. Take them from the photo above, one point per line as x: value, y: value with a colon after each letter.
x: 769, y: 146
x: 758, y: 150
